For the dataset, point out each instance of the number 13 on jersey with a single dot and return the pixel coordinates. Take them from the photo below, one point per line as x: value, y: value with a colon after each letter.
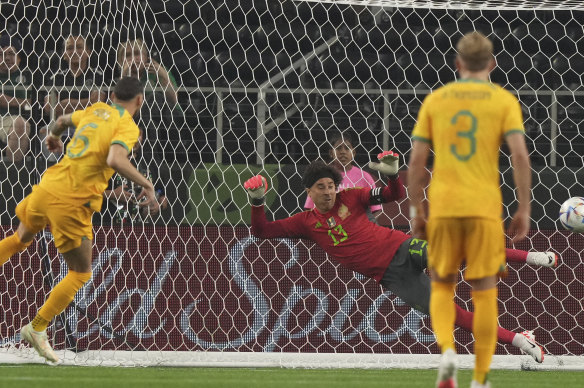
x: 339, y: 235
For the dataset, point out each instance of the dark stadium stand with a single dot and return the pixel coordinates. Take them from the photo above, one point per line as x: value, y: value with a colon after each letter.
x: 245, y: 43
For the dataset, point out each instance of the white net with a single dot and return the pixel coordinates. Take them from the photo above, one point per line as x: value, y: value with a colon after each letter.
x: 259, y: 86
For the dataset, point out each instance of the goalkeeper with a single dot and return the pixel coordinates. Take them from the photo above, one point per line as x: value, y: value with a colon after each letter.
x: 339, y: 225
x: 71, y: 190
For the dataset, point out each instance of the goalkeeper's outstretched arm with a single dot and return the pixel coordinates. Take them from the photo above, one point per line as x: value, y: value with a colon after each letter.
x: 256, y: 188
x: 389, y: 166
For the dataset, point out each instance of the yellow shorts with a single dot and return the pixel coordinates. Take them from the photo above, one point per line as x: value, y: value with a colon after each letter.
x: 69, y: 224
x: 479, y: 242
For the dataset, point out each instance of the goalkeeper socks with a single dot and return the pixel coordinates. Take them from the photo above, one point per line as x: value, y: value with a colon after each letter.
x: 61, y: 296
x: 10, y: 246
x: 464, y: 320
x: 516, y: 255
x: 443, y: 314
x: 484, y: 330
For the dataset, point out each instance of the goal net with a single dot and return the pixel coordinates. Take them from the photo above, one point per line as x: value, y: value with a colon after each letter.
x: 236, y: 88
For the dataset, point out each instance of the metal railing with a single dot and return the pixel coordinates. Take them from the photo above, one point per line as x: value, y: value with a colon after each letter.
x: 265, y: 122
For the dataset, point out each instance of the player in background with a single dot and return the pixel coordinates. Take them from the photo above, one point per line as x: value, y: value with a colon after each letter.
x: 339, y: 225
x: 464, y: 123
x: 342, y: 155
x: 71, y: 190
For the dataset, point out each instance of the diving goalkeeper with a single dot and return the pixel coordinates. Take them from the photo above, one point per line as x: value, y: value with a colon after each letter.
x: 71, y: 191
x: 339, y: 225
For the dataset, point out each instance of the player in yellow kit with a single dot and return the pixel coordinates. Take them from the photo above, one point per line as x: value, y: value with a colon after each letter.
x: 70, y: 191
x: 465, y: 122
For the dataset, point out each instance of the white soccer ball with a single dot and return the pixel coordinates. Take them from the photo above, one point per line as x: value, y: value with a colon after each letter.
x: 572, y: 214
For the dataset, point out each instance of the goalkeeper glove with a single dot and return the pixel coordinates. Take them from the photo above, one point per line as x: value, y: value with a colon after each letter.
x: 389, y: 163
x: 256, y: 187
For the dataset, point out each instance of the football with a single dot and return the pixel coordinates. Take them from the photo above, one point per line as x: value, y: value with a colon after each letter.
x: 572, y: 214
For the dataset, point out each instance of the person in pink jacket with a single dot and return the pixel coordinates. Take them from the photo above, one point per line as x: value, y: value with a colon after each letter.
x: 342, y: 155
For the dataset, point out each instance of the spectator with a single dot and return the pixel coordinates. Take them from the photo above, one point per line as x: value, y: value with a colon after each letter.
x: 14, y: 101
x: 80, y: 84
x: 161, y: 115
x: 342, y: 155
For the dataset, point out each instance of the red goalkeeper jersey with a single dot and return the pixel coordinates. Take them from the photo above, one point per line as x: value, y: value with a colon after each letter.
x: 345, y: 232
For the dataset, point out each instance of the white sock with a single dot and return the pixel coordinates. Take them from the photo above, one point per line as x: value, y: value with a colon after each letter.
x: 531, y: 257
x: 518, y: 340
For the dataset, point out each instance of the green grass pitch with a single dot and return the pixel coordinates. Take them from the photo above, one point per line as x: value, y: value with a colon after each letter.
x: 31, y: 376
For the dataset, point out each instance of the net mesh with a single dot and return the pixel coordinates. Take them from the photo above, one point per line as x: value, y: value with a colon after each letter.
x: 258, y: 86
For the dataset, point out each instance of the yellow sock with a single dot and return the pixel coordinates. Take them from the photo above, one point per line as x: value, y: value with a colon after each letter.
x: 11, y: 245
x: 39, y: 323
x: 60, y: 297
x: 484, y: 328
x: 443, y: 314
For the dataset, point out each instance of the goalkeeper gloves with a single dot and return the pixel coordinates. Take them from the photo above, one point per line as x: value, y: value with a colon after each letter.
x: 256, y: 189
x: 388, y: 163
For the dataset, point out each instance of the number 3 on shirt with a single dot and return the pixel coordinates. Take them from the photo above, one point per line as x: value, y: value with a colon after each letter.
x: 340, y: 232
x: 467, y: 135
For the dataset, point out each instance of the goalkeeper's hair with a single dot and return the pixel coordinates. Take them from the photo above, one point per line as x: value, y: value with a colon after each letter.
x: 475, y: 50
x: 319, y: 169
x: 128, y: 88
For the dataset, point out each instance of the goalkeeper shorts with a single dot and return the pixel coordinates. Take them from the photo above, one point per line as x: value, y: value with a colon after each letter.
x: 405, y: 276
x: 70, y: 224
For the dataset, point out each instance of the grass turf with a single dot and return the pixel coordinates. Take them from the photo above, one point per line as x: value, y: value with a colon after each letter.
x: 30, y: 376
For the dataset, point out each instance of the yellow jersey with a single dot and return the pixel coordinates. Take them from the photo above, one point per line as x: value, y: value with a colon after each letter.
x: 465, y: 122
x: 82, y: 176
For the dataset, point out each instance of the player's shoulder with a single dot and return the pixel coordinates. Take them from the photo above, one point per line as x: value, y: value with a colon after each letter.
x: 504, y: 93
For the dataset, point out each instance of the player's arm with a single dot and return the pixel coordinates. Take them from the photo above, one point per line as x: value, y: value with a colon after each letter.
x: 519, y: 226
x: 117, y: 159
x: 260, y: 227
x: 389, y: 166
x: 416, y: 180
x: 55, y: 129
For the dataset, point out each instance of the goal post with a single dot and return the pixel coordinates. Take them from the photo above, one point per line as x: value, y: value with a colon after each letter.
x: 259, y: 86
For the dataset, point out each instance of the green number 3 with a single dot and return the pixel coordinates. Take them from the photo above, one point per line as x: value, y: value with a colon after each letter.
x: 341, y: 232
x: 79, y: 137
x: 470, y: 135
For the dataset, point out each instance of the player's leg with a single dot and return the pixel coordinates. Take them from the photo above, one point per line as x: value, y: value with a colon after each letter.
x: 524, y: 340
x: 485, y: 252
x: 72, y: 233
x: 15, y: 243
x: 484, y: 296
x: 543, y: 259
x: 444, y: 258
x: 405, y: 277
x: 30, y: 212
x: 79, y: 262
x: 414, y: 290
